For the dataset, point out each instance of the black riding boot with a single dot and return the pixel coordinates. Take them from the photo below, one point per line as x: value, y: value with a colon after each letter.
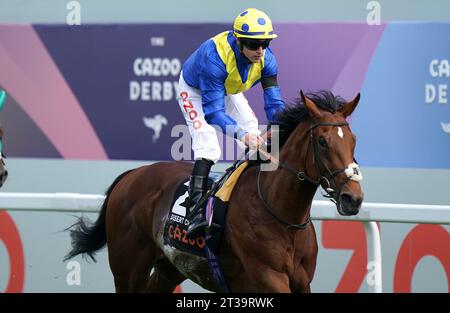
x: 198, y: 184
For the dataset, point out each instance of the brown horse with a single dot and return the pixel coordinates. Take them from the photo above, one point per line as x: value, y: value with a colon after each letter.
x: 269, y: 243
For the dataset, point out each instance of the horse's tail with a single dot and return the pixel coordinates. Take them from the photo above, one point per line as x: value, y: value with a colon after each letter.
x: 87, y: 237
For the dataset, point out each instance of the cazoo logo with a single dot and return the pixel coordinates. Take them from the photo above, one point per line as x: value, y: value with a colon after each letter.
x: 156, y: 123
x: 437, y: 91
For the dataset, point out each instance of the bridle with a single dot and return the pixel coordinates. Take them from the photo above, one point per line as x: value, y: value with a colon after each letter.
x: 333, y: 192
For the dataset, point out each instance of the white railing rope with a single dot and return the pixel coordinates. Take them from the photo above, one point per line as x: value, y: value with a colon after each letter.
x: 322, y: 209
x: 51, y: 202
x: 370, y: 213
x: 386, y: 212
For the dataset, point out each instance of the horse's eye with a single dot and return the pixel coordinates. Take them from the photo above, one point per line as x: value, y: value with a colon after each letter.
x: 323, y: 142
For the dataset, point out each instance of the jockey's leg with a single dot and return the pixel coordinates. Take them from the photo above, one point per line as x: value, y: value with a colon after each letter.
x: 198, y: 184
x: 206, y: 151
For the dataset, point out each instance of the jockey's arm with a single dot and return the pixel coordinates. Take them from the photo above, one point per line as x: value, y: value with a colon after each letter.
x: 212, y: 86
x: 230, y: 128
x: 272, y: 95
x: 226, y: 123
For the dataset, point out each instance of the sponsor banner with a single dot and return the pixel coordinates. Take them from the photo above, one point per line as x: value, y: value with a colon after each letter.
x: 110, y: 91
x: 404, y: 116
x: 415, y: 258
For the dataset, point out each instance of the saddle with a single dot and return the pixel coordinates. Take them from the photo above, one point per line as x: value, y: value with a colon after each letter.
x: 215, y: 202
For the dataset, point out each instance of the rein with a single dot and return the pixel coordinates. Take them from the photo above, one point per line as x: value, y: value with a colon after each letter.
x: 280, y: 220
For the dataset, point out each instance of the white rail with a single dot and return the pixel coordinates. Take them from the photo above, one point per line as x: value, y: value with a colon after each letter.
x: 370, y: 213
x: 50, y: 202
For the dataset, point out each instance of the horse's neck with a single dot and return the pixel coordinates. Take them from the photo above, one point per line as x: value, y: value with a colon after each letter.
x: 286, y: 194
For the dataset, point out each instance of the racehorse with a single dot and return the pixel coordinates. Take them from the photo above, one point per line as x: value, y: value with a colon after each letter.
x: 269, y: 243
x: 3, y: 171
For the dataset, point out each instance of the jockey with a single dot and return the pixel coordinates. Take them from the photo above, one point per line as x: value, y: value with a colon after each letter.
x: 212, y: 83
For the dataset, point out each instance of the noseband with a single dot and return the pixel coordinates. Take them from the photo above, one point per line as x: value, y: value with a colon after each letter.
x: 332, y: 192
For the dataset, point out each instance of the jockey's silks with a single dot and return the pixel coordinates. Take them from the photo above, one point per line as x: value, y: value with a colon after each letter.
x: 235, y: 83
x: 217, y: 68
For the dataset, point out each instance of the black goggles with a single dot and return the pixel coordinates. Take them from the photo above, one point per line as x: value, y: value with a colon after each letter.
x: 254, y: 44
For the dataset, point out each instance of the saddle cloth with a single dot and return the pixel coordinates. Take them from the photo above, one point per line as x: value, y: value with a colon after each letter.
x: 175, y: 229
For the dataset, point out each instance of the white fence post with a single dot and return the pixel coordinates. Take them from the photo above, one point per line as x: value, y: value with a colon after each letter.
x: 374, y: 261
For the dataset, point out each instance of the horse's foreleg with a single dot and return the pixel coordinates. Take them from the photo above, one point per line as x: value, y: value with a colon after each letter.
x: 261, y: 280
x: 272, y: 281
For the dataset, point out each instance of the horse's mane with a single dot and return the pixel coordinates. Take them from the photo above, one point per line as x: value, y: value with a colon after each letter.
x: 296, y: 112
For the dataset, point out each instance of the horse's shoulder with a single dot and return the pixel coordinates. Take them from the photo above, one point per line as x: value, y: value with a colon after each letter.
x: 250, y: 173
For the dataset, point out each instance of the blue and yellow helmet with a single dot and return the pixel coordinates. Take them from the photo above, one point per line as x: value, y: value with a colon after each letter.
x: 253, y: 23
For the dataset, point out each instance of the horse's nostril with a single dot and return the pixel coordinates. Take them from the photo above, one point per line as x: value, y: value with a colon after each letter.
x: 358, y: 202
x: 347, y: 199
x: 350, y: 202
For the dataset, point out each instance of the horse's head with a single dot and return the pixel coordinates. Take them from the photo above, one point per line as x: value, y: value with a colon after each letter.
x: 320, y: 142
x: 3, y: 171
x: 332, y: 145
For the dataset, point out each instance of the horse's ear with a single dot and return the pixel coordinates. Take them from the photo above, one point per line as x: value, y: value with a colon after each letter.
x: 349, y: 107
x: 311, y: 106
